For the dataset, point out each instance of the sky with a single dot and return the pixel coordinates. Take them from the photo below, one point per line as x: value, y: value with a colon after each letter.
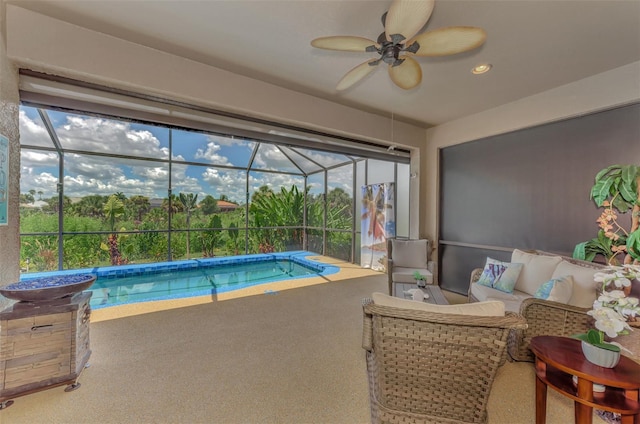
x: 87, y: 174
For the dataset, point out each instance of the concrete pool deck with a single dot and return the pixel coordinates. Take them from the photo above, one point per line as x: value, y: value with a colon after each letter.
x: 295, y: 357
x: 347, y: 271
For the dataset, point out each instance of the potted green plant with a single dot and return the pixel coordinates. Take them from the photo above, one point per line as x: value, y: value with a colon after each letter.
x: 612, y: 312
x: 615, y: 190
x: 421, y: 280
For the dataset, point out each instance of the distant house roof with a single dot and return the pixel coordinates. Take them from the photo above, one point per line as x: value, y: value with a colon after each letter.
x: 225, y: 206
x: 155, y: 203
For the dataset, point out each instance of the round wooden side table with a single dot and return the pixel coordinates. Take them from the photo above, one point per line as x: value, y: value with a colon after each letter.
x: 559, y: 359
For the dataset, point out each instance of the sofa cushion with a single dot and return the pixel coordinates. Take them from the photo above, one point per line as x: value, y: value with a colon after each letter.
x: 511, y: 300
x: 536, y: 271
x: 556, y: 289
x: 486, y: 309
x: 405, y: 275
x: 584, y: 288
x: 500, y: 275
x: 410, y: 253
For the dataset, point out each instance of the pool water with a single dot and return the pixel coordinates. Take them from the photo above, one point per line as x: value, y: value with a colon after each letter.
x: 193, y: 282
x: 116, y: 285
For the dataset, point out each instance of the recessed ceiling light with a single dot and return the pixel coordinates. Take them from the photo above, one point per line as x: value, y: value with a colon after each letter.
x: 481, y: 69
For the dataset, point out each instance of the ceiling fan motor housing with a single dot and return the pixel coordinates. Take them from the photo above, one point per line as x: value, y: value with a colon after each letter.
x: 389, y: 50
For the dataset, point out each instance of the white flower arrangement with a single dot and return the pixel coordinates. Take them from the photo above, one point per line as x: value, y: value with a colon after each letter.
x: 613, y: 310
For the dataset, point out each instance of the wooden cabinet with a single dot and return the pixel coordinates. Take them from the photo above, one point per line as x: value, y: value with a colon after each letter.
x: 43, y: 345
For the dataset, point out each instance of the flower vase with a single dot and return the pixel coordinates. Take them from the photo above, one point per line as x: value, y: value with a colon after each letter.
x: 421, y: 283
x: 602, y: 357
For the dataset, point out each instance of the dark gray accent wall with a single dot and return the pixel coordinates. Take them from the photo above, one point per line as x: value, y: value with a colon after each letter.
x: 527, y: 189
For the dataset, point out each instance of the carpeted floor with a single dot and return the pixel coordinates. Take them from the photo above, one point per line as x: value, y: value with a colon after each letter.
x: 289, y: 356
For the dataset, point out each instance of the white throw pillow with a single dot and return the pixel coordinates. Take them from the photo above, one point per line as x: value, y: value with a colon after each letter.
x: 409, y: 253
x: 536, y: 271
x: 493, y: 308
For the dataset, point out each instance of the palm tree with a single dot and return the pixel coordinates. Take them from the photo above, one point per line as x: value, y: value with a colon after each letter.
x: 113, y: 209
x: 139, y: 205
x: 171, y: 205
x: 189, y: 202
x: 92, y: 206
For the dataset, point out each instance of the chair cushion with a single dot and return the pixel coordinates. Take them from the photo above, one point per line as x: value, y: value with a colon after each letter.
x: 536, y: 271
x: 410, y: 253
x: 510, y: 305
x: 486, y: 309
x: 405, y: 275
x: 500, y: 275
x: 556, y: 289
x: 584, y: 288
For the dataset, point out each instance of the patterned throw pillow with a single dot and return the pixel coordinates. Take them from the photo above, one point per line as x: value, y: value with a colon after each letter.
x: 500, y: 275
x: 556, y: 289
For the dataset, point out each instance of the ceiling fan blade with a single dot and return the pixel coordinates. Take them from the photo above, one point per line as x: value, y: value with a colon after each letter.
x: 344, y: 43
x: 451, y: 40
x: 406, y: 75
x: 356, y: 74
x: 407, y: 17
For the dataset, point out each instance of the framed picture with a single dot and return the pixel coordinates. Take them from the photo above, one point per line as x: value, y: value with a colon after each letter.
x: 4, y: 178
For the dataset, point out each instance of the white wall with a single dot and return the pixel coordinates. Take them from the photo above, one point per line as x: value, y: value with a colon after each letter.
x: 617, y: 87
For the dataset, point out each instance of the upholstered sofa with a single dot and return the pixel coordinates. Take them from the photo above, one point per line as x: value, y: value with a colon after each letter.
x: 571, y: 283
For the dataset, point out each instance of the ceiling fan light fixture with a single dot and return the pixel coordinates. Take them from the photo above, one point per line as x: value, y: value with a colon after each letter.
x: 481, y: 69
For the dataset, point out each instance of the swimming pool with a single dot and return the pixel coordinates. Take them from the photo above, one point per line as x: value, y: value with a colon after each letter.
x: 117, y: 285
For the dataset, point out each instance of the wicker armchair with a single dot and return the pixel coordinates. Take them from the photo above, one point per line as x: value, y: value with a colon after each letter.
x: 426, y: 367
x: 544, y: 318
x: 413, y: 256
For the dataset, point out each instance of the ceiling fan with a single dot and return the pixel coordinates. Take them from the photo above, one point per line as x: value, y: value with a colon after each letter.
x: 399, y: 43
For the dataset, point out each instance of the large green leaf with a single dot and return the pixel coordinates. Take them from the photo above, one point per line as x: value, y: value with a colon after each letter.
x: 621, y: 205
x: 633, y: 244
x: 628, y: 193
x: 579, y: 252
x: 605, y: 171
x: 601, y: 190
x: 629, y: 173
x: 596, y: 338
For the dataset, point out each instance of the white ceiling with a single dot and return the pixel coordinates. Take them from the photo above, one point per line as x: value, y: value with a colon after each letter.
x: 533, y: 45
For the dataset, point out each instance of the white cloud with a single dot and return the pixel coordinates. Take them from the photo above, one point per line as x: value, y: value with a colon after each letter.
x: 341, y: 177
x: 273, y: 181
x: 230, y: 183
x: 31, y: 158
x: 33, y: 132
x: 109, y: 136
x: 87, y: 174
x: 231, y: 141
x: 211, y: 154
x: 270, y: 157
